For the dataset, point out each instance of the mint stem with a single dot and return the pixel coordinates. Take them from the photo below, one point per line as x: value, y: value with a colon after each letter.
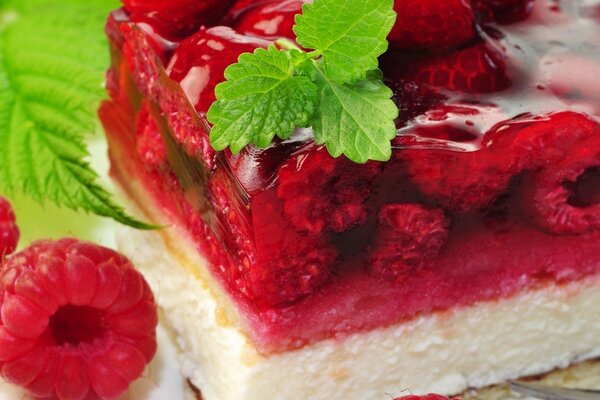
x: 287, y: 44
x: 314, y: 54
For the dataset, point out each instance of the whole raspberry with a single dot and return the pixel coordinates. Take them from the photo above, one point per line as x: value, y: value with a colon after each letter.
x: 77, y: 321
x: 479, y: 68
x: 563, y: 197
x: 290, y: 268
x: 200, y: 61
x: 461, y: 181
x: 274, y: 19
x: 560, y: 153
x: 432, y: 24
x: 9, y: 232
x: 409, y: 237
x: 322, y: 193
x: 532, y: 142
x: 177, y: 18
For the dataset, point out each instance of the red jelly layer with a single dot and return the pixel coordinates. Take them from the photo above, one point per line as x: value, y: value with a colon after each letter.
x: 493, y: 187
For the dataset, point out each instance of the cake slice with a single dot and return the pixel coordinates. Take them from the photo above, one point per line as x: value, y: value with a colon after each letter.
x: 469, y: 258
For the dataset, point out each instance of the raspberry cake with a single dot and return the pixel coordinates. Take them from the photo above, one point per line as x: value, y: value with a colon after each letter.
x: 469, y: 258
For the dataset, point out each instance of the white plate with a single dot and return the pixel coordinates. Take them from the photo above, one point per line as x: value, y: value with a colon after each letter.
x: 162, y: 379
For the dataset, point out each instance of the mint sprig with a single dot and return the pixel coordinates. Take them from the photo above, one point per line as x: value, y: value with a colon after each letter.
x: 334, y: 87
x: 53, y: 55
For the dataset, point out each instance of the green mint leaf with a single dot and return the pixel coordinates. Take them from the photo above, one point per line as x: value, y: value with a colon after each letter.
x: 356, y: 120
x: 349, y: 34
x: 262, y: 97
x: 41, y: 5
x: 52, y: 62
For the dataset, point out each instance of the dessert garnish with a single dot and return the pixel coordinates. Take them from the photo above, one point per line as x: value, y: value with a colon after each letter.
x: 51, y: 75
x: 77, y: 320
x: 334, y: 86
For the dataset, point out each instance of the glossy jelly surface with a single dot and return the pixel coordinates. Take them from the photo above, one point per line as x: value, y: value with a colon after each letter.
x: 493, y: 187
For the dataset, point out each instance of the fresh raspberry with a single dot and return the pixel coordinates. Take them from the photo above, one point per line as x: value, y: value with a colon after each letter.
x: 476, y: 69
x: 76, y: 321
x: 289, y: 268
x: 461, y: 181
x: 150, y: 145
x: 200, y: 61
x: 504, y: 11
x: 322, y: 193
x: 274, y: 19
x: 557, y: 150
x: 563, y: 197
x: 532, y: 142
x: 9, y: 232
x: 432, y: 24
x: 177, y: 17
x: 409, y: 237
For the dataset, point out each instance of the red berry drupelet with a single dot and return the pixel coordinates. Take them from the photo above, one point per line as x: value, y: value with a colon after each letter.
x: 77, y: 321
x: 322, y: 193
x: 480, y: 68
x: 290, y: 268
x: 460, y: 181
x: 563, y: 197
x: 409, y: 236
x: 9, y: 231
x: 560, y: 155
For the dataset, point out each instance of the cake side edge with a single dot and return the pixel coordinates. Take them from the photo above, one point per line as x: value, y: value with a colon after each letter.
x: 445, y: 352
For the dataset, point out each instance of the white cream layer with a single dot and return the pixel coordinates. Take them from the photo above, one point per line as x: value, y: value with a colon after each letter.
x: 447, y: 352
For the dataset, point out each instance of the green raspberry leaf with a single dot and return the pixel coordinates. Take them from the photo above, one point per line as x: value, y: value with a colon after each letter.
x: 350, y: 35
x: 52, y: 62
x: 356, y: 120
x: 262, y: 97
